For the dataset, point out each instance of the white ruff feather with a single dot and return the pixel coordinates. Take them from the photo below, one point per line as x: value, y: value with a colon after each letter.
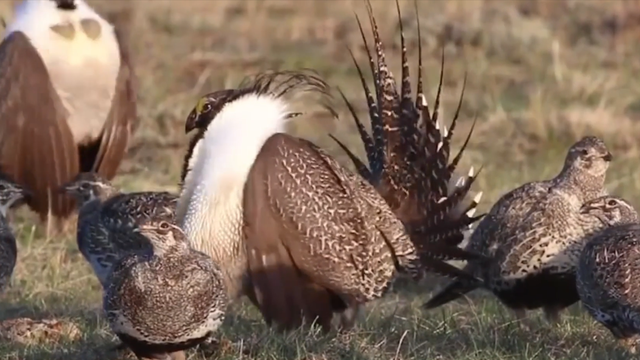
x: 83, y: 71
x: 211, y: 201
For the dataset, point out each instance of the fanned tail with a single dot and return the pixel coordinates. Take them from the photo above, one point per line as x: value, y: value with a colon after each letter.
x: 409, y: 152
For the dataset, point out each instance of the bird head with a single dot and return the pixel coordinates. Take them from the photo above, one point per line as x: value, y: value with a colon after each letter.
x: 86, y: 187
x: 162, y: 234
x: 11, y: 194
x: 207, y: 108
x: 610, y: 210
x: 590, y: 154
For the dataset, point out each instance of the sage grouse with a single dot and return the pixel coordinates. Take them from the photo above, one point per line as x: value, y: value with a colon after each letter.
x: 107, y: 218
x: 67, y: 99
x: 533, y: 236
x: 300, y: 235
x: 164, y: 301
x: 11, y: 194
x: 607, y: 275
x: 408, y: 155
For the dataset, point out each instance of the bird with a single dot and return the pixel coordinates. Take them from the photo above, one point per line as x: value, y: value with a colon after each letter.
x: 533, y: 235
x: 108, y: 217
x: 68, y: 105
x: 11, y: 195
x: 164, y: 301
x: 299, y: 234
x: 408, y: 150
x: 607, y: 271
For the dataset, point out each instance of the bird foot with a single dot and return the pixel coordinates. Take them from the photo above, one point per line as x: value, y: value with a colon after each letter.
x: 119, y: 347
x: 631, y: 344
x: 213, y: 346
x: 523, y: 321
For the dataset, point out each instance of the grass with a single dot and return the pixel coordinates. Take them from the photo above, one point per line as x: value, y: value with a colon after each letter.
x: 541, y: 74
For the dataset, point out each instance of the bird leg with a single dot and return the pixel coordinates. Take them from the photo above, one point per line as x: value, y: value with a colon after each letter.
x: 163, y: 356
x: 209, y: 346
x: 348, y: 317
x: 178, y: 355
x: 521, y: 317
x: 49, y: 215
x: 118, y: 347
x: 552, y: 314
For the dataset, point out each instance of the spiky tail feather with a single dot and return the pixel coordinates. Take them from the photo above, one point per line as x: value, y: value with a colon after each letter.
x: 452, y: 292
x: 408, y: 154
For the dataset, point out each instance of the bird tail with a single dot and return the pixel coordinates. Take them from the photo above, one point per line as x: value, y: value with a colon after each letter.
x: 452, y: 292
x: 409, y: 153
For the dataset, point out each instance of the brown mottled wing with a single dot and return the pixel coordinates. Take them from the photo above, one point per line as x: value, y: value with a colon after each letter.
x: 607, y: 268
x: 311, y: 221
x: 36, y: 145
x: 491, y: 235
x: 122, y: 120
x: 284, y: 295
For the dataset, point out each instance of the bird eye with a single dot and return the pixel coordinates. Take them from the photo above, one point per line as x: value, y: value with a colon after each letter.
x: 612, y: 203
x: 584, y: 152
x: 84, y: 186
x: 206, y: 108
x: 164, y: 225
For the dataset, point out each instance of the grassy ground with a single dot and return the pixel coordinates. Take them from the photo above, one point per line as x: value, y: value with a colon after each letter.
x: 540, y: 75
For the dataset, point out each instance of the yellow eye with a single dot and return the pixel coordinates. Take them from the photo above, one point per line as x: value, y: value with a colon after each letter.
x: 201, y: 105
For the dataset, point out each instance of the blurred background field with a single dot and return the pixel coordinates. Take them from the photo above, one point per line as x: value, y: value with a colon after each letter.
x: 541, y: 74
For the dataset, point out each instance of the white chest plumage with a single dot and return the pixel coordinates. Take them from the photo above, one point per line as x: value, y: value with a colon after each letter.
x: 83, y: 70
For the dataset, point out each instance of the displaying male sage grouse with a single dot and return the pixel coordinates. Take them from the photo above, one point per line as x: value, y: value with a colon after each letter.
x: 164, y: 301
x: 607, y: 275
x: 67, y: 99
x: 408, y: 154
x: 107, y: 219
x: 290, y: 227
x: 11, y: 194
x: 533, y: 236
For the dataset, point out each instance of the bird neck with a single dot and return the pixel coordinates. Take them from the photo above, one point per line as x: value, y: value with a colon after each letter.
x: 171, y: 248
x: 583, y: 184
x: 107, y: 193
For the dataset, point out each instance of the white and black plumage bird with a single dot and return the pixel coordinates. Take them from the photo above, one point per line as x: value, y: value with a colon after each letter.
x: 534, y: 234
x: 299, y: 234
x: 164, y: 301
x: 108, y: 217
x: 67, y: 98
x: 609, y: 269
x: 11, y: 195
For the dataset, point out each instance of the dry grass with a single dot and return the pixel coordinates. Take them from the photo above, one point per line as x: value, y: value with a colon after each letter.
x: 540, y: 75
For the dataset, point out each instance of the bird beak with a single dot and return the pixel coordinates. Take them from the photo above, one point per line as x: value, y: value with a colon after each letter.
x: 62, y: 189
x: 585, y: 209
x: 607, y: 157
x: 192, y: 120
x: 26, y: 193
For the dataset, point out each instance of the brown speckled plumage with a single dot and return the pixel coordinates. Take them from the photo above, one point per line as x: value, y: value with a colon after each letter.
x: 11, y: 195
x: 533, y: 235
x: 164, y: 301
x: 107, y: 218
x: 315, y: 238
x: 607, y: 275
